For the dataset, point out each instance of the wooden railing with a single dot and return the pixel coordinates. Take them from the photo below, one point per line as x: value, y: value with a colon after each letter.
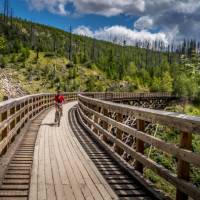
x: 15, y: 113
x: 97, y: 117
x: 126, y: 95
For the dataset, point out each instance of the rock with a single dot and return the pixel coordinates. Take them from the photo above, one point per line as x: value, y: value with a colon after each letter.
x: 11, y: 88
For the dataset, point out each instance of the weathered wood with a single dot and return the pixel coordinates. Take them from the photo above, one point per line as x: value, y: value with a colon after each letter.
x: 60, y: 171
x: 119, y: 133
x: 180, y: 153
x: 183, y: 169
x: 139, y: 145
x: 105, y: 124
x: 182, y: 122
x: 15, y: 113
x: 181, y: 184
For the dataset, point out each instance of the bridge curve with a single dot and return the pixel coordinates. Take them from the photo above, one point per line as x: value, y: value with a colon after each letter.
x: 58, y: 151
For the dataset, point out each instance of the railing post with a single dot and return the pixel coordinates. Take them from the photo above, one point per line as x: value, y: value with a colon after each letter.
x: 92, y: 117
x: 95, y: 108
x: 183, y: 168
x: 4, y: 132
x: 140, y: 145
x: 13, y: 123
x: 119, y: 133
x: 105, y: 124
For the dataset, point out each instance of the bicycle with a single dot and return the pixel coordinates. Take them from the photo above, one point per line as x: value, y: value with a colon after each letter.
x: 58, y: 114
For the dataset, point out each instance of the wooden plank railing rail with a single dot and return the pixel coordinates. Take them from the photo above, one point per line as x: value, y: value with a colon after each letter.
x: 95, y: 115
x: 15, y: 113
x: 124, y: 95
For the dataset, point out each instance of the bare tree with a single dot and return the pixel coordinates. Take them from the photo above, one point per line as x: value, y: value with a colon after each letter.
x: 70, y: 43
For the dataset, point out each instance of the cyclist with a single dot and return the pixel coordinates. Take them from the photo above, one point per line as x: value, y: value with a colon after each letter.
x: 59, y: 99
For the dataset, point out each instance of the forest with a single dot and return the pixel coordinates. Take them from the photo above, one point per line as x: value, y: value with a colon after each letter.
x: 147, y: 66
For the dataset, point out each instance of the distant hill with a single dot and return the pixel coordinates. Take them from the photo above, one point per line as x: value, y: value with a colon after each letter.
x: 57, y: 58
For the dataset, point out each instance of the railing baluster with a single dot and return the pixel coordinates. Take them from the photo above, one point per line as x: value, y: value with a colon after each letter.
x: 119, y: 118
x: 139, y: 145
x: 105, y: 124
x: 183, y: 168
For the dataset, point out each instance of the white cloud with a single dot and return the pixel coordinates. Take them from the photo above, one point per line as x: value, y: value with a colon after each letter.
x: 165, y: 15
x: 145, y: 22
x: 108, y: 7
x: 83, y: 30
x: 120, y: 33
x: 53, y: 6
x: 190, y: 6
x: 61, y: 9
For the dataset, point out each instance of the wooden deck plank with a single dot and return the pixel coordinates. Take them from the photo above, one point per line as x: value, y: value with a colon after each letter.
x: 71, y: 174
x: 34, y: 174
x: 61, y: 168
x: 60, y: 195
x: 86, y: 173
x: 92, y: 168
x: 41, y: 169
x: 84, y: 188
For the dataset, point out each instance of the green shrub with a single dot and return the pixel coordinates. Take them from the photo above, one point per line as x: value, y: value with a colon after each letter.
x: 3, y: 61
x: 70, y: 65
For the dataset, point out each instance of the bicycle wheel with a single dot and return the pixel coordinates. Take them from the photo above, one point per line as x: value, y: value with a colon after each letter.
x: 59, y: 116
x: 56, y: 116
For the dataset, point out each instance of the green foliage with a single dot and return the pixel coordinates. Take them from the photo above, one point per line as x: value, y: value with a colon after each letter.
x: 160, y: 183
x: 13, y: 58
x: 131, y: 70
x: 70, y: 65
x: 143, y: 68
x: 90, y: 84
x: 3, y: 61
x: 156, y: 85
x: 192, y: 109
x: 185, y: 86
x: 17, y: 46
x: 24, y: 54
x: 144, y: 76
x: 167, y: 82
x: 2, y: 43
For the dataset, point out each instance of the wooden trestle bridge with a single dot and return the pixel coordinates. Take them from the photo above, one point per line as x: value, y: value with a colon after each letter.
x: 99, y: 150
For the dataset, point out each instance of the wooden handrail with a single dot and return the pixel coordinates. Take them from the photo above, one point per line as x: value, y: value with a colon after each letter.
x: 187, y: 125
x: 180, y: 121
x: 15, y: 113
x: 12, y: 111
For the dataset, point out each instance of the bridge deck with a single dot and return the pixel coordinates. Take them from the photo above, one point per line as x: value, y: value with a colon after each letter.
x: 61, y: 168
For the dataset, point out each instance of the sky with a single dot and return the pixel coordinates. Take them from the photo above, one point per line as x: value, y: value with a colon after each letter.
x: 117, y: 20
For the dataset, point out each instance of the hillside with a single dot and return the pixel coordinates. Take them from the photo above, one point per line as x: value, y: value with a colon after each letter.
x: 42, y: 58
x: 51, y: 72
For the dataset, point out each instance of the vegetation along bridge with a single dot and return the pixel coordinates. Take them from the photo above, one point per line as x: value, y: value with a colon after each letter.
x: 103, y: 149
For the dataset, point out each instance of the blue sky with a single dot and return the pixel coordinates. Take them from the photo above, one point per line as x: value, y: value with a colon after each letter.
x: 22, y: 9
x: 132, y: 20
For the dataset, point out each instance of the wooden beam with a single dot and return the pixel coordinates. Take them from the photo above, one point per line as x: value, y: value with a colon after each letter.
x: 183, y: 169
x: 180, y: 153
x: 182, y: 122
x: 139, y: 145
x: 119, y: 134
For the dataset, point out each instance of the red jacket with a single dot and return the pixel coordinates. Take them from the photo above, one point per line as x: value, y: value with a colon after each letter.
x: 59, y: 99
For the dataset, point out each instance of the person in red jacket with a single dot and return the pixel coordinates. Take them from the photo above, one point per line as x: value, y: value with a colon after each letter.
x: 59, y: 100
